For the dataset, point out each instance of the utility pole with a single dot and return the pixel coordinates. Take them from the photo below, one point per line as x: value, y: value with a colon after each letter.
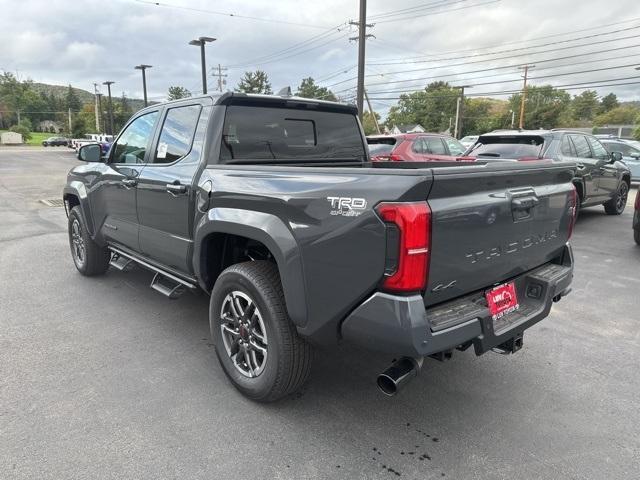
x: 221, y: 76
x: 70, y: 125
x: 524, y: 94
x: 373, y: 114
x: 200, y: 42
x: 460, y: 112
x: 95, y: 92
x: 361, y: 38
x: 101, y: 115
x: 108, y: 83
x: 144, y: 67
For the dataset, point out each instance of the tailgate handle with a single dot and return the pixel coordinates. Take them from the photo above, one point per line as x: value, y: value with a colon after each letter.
x: 524, y: 203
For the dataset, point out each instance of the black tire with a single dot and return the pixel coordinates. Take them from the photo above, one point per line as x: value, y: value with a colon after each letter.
x: 287, y: 362
x: 618, y: 202
x: 636, y: 235
x: 94, y: 259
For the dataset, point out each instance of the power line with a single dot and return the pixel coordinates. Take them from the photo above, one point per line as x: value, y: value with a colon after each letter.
x: 411, y: 17
x: 523, y: 48
x: 404, y: 11
x: 566, y: 57
x: 227, y: 14
x: 530, y: 78
x: 515, y: 42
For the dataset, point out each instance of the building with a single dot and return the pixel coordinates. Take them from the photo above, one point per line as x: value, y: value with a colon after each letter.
x: 408, y: 128
x: 11, y: 138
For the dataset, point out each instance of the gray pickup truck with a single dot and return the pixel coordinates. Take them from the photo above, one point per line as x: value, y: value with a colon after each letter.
x: 269, y: 204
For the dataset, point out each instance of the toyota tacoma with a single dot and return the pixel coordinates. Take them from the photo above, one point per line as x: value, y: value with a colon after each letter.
x: 271, y: 206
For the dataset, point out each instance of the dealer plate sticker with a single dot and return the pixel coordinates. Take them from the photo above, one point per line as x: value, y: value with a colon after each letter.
x: 502, y: 300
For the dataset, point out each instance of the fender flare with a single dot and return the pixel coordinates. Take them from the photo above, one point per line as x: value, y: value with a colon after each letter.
x: 271, y: 232
x: 78, y: 190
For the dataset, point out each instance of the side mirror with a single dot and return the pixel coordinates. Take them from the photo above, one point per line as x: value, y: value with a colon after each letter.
x: 635, y: 155
x: 616, y: 156
x: 90, y: 153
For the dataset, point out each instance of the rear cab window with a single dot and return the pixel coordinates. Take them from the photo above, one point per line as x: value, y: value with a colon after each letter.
x: 278, y: 134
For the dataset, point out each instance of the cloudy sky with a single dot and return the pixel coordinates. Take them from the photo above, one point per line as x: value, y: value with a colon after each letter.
x: 573, y: 43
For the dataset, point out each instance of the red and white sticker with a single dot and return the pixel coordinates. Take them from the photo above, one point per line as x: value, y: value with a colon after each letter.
x: 502, y: 300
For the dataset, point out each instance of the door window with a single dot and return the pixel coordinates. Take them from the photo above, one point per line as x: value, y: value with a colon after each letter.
x: 418, y: 146
x: 582, y: 146
x: 567, y: 147
x: 435, y: 146
x: 177, y: 133
x: 599, y: 151
x: 131, y: 146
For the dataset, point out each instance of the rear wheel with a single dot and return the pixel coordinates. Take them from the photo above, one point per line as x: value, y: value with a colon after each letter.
x: 257, y: 345
x: 90, y: 258
x: 616, y: 205
x: 636, y: 235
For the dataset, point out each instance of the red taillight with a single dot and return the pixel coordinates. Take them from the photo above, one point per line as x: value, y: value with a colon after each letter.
x: 573, y: 208
x: 413, y: 221
x: 395, y: 158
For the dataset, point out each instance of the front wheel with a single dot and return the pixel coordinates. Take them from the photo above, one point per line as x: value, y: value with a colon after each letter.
x: 616, y: 205
x: 636, y: 235
x: 90, y: 258
x: 256, y: 343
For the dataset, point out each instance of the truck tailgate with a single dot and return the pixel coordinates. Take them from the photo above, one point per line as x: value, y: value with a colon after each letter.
x: 493, y: 222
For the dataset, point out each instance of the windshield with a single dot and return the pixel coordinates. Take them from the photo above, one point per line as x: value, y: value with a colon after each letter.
x: 512, y: 147
x: 380, y: 149
x: 265, y: 134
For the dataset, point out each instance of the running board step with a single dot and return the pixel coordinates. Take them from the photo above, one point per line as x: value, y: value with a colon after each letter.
x: 167, y: 287
x: 121, y: 263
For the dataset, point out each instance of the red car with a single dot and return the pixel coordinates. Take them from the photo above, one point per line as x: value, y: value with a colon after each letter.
x: 416, y: 147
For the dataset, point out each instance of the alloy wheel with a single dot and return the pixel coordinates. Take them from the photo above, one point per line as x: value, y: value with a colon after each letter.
x: 77, y: 243
x: 623, y: 193
x: 243, y: 333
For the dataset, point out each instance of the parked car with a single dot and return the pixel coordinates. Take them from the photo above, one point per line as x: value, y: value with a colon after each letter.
x: 55, y: 142
x: 100, y: 138
x: 468, y: 140
x: 636, y: 218
x: 415, y: 147
x: 630, y: 155
x: 272, y: 207
x: 601, y: 179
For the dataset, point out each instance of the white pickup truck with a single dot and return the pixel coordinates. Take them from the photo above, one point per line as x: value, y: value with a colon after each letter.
x: 76, y: 143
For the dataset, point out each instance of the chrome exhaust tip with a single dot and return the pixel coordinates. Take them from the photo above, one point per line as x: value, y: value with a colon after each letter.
x: 398, y: 375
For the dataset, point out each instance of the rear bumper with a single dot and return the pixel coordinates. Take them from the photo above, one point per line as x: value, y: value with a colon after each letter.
x: 403, y: 326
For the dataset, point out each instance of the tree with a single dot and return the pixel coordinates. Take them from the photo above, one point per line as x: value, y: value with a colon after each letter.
x: 177, y: 92
x: 608, y: 102
x: 482, y: 115
x: 622, y: 115
x: 369, y: 124
x: 72, y: 100
x: 254, y: 82
x: 545, y: 107
x: 585, y: 105
x: 433, y: 108
x: 309, y: 89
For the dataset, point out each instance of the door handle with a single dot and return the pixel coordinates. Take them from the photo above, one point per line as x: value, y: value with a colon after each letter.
x: 129, y: 182
x: 176, y: 189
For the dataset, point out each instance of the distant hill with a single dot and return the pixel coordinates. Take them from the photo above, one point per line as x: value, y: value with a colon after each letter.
x: 85, y: 96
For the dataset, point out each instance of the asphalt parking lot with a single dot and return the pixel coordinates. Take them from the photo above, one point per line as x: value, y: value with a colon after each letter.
x: 104, y: 378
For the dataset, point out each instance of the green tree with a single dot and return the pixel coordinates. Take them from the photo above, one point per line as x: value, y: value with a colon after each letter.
x: 482, y: 115
x: 254, y: 82
x: 433, y: 107
x: 585, y: 105
x: 72, y: 101
x: 622, y: 115
x: 308, y: 88
x: 545, y: 107
x: 177, y: 92
x: 23, y: 130
x: 369, y: 124
x: 13, y: 94
x: 608, y: 102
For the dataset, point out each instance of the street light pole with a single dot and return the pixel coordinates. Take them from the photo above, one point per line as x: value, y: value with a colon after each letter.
x: 200, y: 42
x: 143, y: 67
x: 460, y: 112
x: 108, y: 83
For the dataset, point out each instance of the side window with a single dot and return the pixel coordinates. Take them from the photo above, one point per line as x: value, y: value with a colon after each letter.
x: 599, y: 151
x: 418, y: 146
x: 582, y: 146
x: 132, y: 144
x: 435, y: 146
x: 566, y: 147
x: 455, y: 147
x: 177, y: 134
